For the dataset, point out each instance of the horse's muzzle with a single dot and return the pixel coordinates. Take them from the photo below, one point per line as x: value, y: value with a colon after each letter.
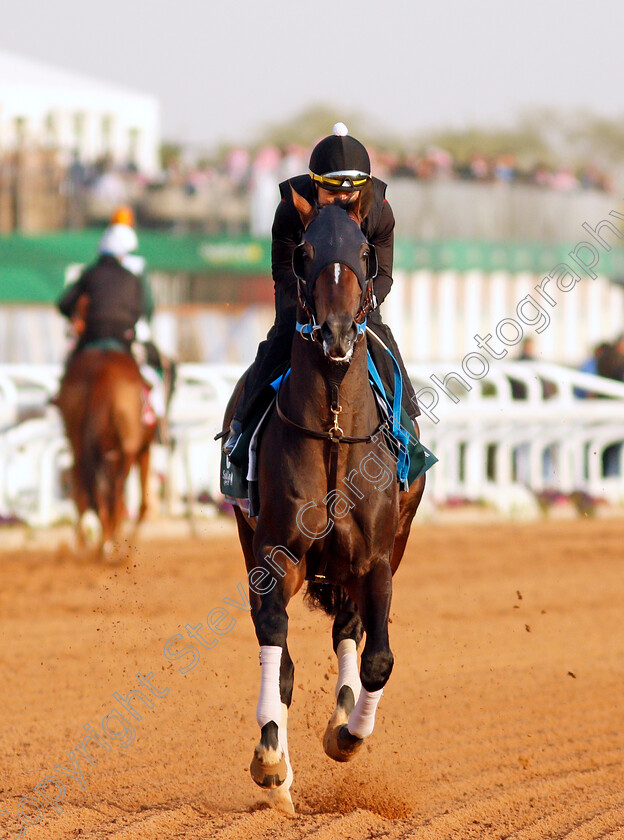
x: 339, y: 334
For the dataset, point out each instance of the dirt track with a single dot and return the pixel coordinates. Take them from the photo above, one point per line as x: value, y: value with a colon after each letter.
x: 504, y: 716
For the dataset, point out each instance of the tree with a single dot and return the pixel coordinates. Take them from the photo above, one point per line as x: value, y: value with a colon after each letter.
x: 170, y: 153
x: 316, y: 121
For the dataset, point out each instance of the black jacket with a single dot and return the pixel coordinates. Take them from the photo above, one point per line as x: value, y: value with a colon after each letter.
x: 116, y: 300
x: 378, y: 227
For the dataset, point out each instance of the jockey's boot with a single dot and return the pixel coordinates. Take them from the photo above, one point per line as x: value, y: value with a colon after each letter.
x: 236, y: 430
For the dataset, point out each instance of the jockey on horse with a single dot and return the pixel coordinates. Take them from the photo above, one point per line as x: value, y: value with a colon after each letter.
x: 323, y: 515
x: 339, y: 171
x: 108, y: 299
x: 158, y: 369
x: 103, y: 396
x: 112, y: 302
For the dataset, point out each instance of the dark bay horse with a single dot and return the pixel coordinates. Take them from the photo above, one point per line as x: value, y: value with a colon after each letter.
x: 330, y: 508
x: 101, y: 400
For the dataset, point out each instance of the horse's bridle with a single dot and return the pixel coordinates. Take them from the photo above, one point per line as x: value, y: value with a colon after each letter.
x: 349, y: 254
x: 341, y: 245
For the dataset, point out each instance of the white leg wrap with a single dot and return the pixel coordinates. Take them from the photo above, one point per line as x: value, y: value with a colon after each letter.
x: 348, y: 673
x: 280, y: 797
x: 362, y: 718
x: 269, y: 703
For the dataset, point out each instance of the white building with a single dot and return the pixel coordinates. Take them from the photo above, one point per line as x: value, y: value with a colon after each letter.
x: 44, y: 105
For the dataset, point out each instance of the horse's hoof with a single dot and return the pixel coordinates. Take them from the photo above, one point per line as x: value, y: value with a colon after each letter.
x: 110, y: 553
x: 281, y: 800
x: 89, y: 531
x: 268, y: 776
x: 340, y: 744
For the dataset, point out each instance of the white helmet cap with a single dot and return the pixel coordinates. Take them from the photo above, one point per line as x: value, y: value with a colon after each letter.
x: 118, y: 240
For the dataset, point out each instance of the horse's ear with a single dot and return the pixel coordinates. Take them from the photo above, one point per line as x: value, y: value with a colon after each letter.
x: 366, y: 199
x: 304, y: 208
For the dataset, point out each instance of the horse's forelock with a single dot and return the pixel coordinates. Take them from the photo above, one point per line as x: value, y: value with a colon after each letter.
x: 352, y: 208
x: 343, y: 203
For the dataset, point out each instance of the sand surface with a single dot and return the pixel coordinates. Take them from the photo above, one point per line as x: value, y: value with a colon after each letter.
x: 503, y: 718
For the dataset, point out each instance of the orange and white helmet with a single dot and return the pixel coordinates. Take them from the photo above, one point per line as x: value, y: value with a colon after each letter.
x: 123, y: 216
x: 118, y: 241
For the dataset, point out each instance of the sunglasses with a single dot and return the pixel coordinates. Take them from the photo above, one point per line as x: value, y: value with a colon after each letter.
x: 342, y: 182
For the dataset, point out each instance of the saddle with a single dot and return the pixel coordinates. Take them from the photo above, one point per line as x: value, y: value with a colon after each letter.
x: 148, y: 414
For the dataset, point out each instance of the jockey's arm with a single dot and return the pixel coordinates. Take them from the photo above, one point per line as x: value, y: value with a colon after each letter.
x: 383, y: 240
x: 148, y: 298
x: 286, y: 234
x: 68, y: 300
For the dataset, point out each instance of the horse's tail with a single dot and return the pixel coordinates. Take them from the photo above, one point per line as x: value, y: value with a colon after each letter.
x: 328, y: 596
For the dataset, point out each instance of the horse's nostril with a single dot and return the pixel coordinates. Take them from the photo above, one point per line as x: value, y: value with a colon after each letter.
x: 338, y: 336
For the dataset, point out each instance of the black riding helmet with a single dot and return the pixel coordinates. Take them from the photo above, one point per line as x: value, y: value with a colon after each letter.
x: 340, y: 162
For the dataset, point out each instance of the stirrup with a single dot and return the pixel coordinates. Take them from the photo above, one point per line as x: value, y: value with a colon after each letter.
x: 236, y: 430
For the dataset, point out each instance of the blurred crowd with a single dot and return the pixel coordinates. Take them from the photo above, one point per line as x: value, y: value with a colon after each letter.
x: 247, y: 179
x: 607, y: 360
x: 435, y: 163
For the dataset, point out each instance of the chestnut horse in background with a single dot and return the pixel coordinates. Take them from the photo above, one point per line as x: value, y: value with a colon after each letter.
x: 102, y: 400
x: 330, y: 508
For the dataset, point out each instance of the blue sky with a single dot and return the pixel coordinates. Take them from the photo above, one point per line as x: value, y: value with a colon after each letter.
x: 221, y: 71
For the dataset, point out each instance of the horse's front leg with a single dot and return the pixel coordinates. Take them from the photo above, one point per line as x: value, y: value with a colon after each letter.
x: 373, y: 595
x: 346, y: 636
x: 270, y: 767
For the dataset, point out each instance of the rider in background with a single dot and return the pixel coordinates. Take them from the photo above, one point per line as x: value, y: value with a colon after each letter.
x: 339, y: 171
x: 107, y: 300
x: 114, y: 303
x: 137, y: 265
x: 106, y: 303
x: 158, y: 369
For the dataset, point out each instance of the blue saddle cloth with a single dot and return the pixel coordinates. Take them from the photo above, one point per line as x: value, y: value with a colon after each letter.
x: 413, y: 458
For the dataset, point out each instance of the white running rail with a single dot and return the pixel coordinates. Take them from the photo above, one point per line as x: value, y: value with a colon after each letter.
x: 491, y: 446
